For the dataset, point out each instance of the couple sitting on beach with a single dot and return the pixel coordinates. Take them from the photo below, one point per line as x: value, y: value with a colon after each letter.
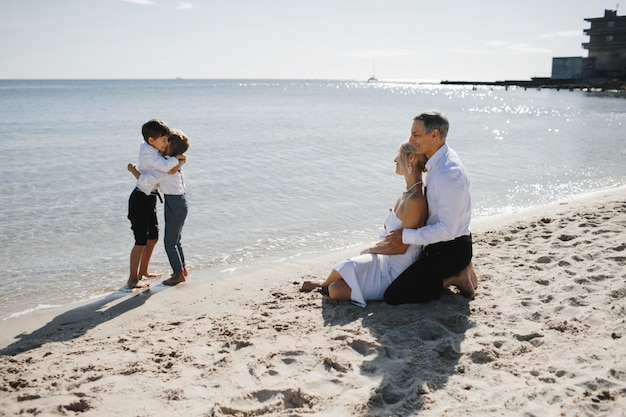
x: 427, y: 245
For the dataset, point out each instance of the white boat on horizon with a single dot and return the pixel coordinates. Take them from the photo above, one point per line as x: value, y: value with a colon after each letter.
x: 373, y: 78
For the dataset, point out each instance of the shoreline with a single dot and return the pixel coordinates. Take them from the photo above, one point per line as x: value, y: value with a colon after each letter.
x: 544, y: 336
x: 267, y: 264
x: 584, y: 199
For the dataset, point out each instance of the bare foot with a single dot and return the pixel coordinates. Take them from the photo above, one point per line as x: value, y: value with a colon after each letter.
x: 309, y: 286
x: 185, y: 272
x: 473, y: 275
x: 150, y: 275
x: 134, y: 283
x: 175, y: 279
x: 463, y: 281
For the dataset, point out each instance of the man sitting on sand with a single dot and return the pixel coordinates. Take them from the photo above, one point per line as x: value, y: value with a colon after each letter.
x: 447, y: 254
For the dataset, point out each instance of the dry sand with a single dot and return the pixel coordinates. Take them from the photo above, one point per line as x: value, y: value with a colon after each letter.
x: 545, y: 336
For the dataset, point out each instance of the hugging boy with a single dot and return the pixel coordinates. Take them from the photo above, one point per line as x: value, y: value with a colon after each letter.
x: 142, y: 201
x: 172, y: 186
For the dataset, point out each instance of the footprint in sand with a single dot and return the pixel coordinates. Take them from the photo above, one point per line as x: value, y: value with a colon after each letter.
x: 262, y: 402
x: 599, y: 278
x: 283, y: 363
x: 619, y: 248
x: 79, y: 406
x: 174, y: 394
x: 364, y: 348
x: 620, y: 260
x: 334, y: 364
x: 483, y: 356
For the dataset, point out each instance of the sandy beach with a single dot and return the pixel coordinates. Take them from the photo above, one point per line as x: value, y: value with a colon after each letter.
x: 545, y: 336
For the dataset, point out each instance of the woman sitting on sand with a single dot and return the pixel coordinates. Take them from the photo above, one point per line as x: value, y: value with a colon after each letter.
x: 366, y: 277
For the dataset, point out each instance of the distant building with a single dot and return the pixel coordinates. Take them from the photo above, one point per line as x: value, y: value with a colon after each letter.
x: 569, y: 68
x: 607, y: 45
x: 603, y: 70
x: 607, y: 51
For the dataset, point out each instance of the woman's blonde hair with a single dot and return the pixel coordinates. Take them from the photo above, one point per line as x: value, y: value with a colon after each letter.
x: 407, y: 149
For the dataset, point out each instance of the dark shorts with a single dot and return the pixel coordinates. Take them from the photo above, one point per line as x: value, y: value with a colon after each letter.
x: 143, y: 217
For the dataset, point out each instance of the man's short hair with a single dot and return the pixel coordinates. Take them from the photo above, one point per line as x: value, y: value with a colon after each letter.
x: 434, y: 120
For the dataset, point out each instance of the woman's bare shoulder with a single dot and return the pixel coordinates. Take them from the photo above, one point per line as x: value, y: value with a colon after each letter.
x: 417, y: 198
x: 415, y: 211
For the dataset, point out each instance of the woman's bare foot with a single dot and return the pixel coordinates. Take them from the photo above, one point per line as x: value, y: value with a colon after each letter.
x: 150, y: 275
x: 309, y: 286
x: 135, y: 283
x: 175, y: 279
x: 463, y: 281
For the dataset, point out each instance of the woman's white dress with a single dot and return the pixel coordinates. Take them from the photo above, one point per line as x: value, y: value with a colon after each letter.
x: 370, y: 274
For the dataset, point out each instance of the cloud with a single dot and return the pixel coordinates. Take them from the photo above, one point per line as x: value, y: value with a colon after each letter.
x: 387, y: 53
x: 563, y: 34
x: 141, y: 2
x: 525, y: 48
x: 497, y: 43
x: 499, y: 47
x: 473, y: 51
x: 183, y: 6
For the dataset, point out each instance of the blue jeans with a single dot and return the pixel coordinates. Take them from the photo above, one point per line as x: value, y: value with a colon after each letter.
x: 175, y: 211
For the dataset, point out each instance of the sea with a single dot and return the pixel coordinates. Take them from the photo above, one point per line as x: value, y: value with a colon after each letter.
x: 276, y: 170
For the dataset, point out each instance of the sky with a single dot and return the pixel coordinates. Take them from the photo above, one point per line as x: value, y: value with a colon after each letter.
x: 408, y: 40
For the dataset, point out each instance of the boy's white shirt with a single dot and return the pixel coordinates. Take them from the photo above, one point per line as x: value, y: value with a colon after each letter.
x: 169, y: 184
x: 152, y: 165
x: 172, y: 184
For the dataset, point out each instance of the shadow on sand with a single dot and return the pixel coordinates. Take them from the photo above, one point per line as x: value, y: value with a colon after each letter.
x: 418, y: 348
x: 74, y: 323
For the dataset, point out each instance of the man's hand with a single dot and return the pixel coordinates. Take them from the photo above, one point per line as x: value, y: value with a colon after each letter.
x: 393, y: 240
x: 378, y: 248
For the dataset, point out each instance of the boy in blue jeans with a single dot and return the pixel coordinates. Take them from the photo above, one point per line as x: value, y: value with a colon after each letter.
x: 142, y: 201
